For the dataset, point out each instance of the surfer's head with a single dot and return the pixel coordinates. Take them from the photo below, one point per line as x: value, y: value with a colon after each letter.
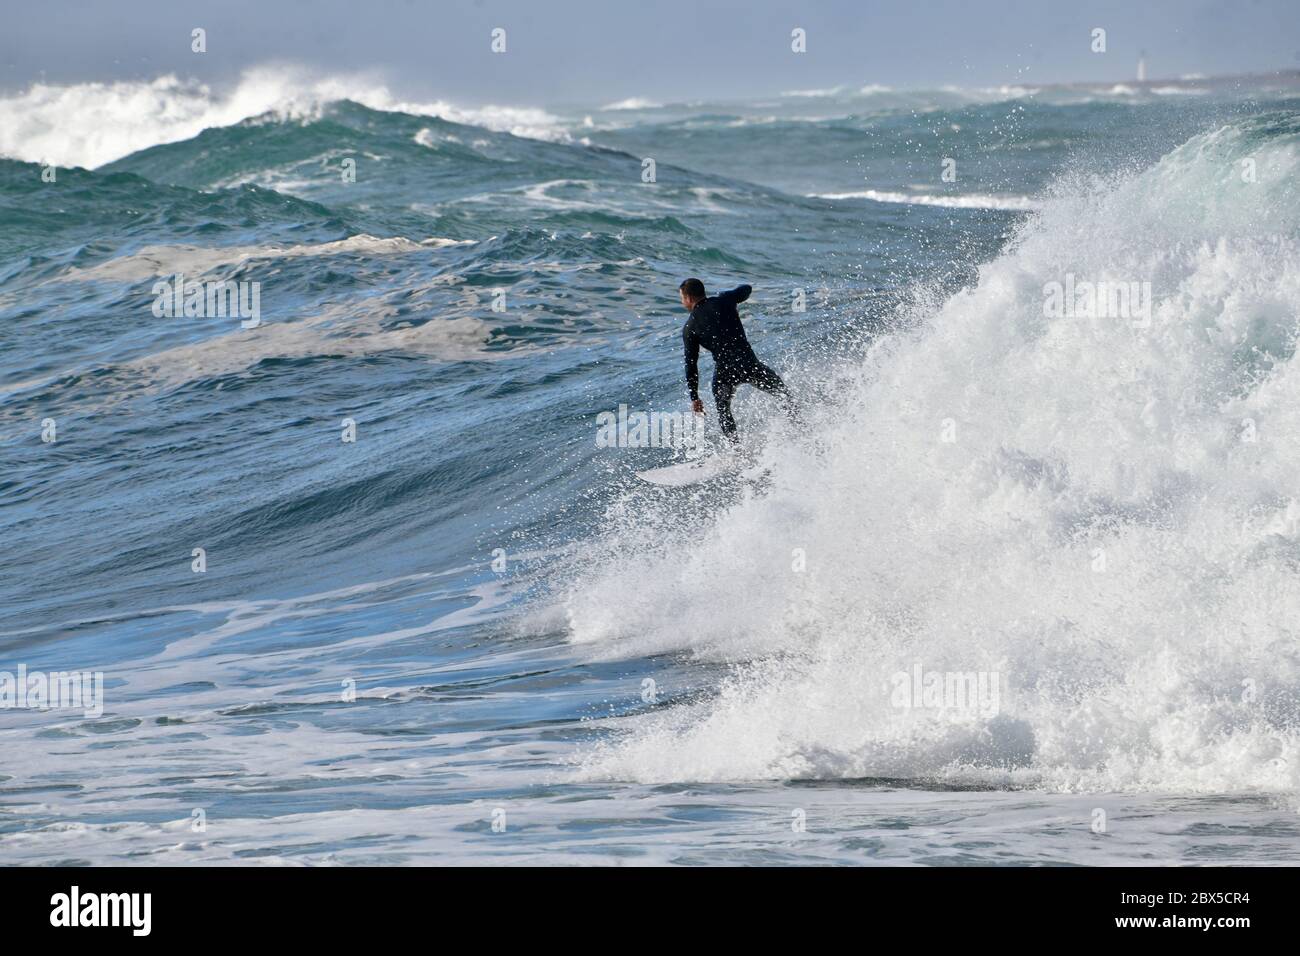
x: 692, y: 291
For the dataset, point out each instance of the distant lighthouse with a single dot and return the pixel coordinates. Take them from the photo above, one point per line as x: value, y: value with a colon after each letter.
x: 1142, y: 67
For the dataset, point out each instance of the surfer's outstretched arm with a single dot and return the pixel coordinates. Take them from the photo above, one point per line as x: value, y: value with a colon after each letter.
x: 739, y: 294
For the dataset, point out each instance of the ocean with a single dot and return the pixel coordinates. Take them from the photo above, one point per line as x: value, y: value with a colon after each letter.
x: 345, y: 576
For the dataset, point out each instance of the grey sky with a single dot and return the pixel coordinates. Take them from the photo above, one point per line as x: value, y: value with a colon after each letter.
x: 590, y: 51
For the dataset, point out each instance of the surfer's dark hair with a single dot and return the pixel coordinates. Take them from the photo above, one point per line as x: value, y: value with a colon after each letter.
x: 694, y: 288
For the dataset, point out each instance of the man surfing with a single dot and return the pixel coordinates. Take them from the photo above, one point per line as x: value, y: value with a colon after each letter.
x: 715, y: 325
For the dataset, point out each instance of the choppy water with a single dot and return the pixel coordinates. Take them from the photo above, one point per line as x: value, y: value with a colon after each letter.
x: 1100, y: 514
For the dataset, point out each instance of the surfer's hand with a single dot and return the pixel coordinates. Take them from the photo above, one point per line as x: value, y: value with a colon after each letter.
x: 697, y: 407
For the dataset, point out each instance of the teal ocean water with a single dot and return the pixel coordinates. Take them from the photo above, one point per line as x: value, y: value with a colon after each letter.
x: 362, y: 585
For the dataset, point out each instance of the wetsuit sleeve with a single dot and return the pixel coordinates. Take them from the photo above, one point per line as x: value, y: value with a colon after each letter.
x: 692, y: 346
x: 739, y: 294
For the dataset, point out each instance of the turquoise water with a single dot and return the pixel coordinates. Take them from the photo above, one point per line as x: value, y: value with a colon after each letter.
x: 450, y: 622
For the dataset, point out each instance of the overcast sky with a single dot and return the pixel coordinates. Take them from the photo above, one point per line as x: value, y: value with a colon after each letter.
x: 583, y: 51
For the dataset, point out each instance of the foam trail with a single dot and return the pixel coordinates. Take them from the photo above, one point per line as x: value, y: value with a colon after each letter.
x: 153, y: 261
x: 1102, y: 516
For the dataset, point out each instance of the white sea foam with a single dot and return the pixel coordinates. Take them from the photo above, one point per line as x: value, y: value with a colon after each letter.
x: 968, y: 201
x: 343, y: 330
x: 336, y: 331
x: 1104, y: 531
x: 154, y: 262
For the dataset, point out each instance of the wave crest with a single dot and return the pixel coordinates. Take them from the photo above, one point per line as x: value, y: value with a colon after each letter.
x: 101, y: 122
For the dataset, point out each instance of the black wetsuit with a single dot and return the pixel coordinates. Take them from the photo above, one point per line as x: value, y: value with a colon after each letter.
x: 715, y: 325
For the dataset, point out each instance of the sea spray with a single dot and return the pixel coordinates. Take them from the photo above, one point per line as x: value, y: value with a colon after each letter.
x: 1062, y: 501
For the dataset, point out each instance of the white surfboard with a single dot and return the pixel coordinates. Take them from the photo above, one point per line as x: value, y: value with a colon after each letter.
x: 693, y: 472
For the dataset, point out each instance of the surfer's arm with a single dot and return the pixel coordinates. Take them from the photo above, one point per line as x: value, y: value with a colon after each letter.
x: 737, y: 295
x: 692, y: 346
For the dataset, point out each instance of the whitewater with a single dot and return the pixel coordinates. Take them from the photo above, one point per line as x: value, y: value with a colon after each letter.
x: 472, y: 611
x: 1112, y: 525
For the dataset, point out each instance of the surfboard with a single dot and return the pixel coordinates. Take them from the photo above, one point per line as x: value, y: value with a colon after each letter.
x: 693, y: 472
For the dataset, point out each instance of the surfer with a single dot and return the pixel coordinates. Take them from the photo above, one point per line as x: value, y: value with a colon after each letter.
x: 715, y: 325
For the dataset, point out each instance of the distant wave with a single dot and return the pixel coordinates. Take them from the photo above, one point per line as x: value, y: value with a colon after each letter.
x: 871, y: 89
x: 812, y: 94
x: 970, y: 201
x: 90, y: 124
x: 633, y: 103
